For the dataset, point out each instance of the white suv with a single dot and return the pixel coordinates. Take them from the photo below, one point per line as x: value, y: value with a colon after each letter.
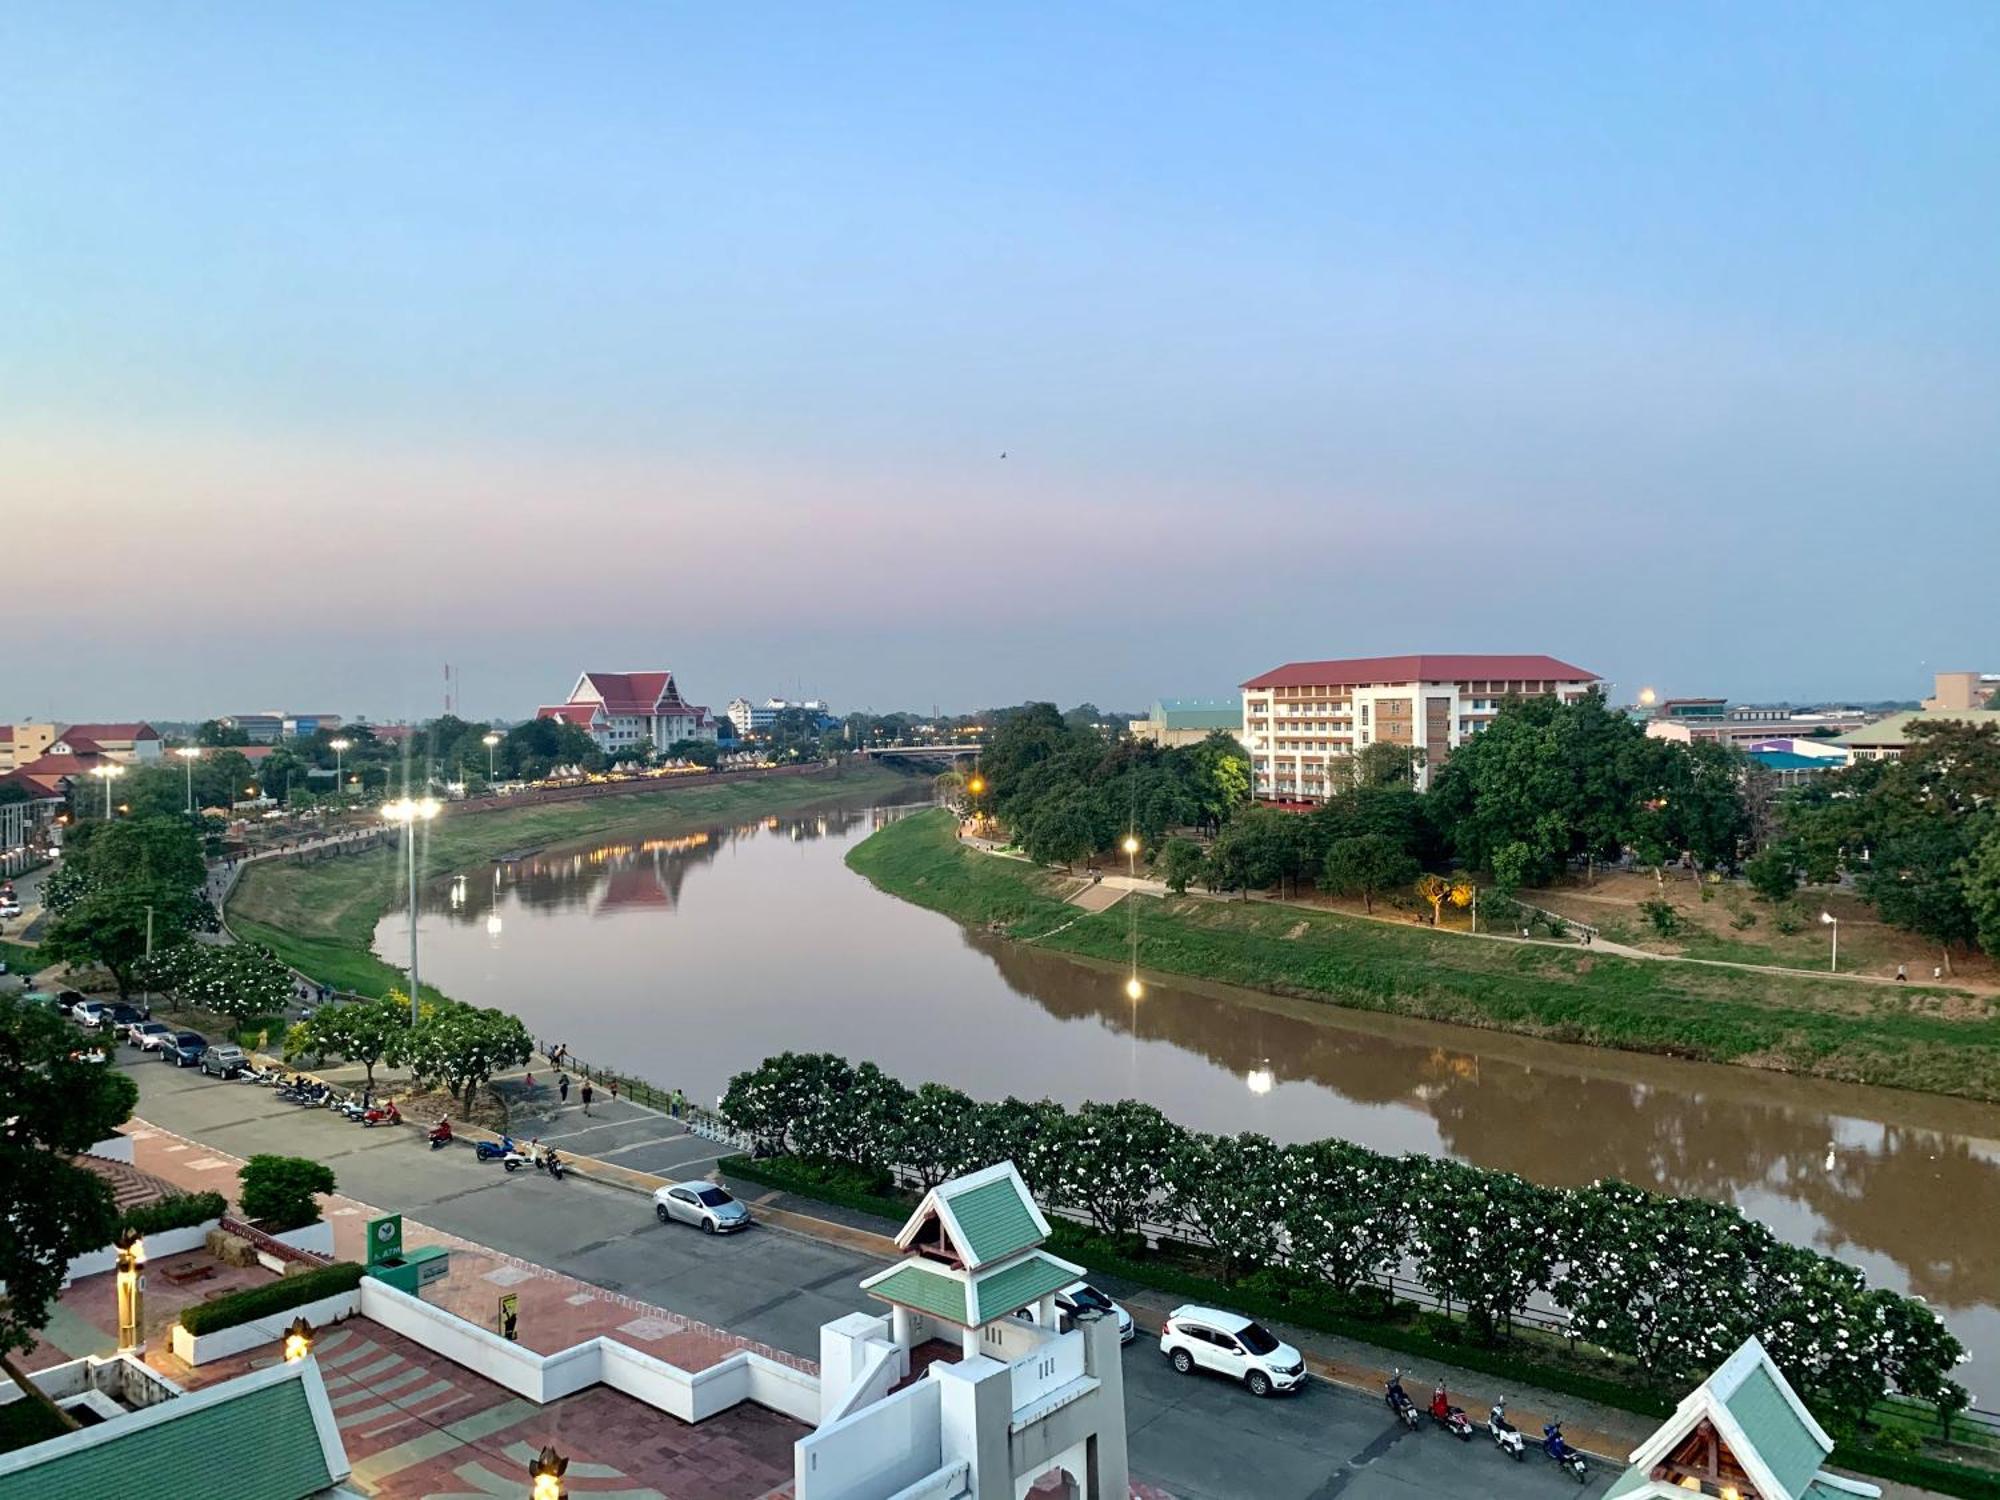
x: 1206, y: 1338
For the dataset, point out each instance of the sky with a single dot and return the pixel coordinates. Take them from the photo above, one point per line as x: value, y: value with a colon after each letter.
x: 914, y: 355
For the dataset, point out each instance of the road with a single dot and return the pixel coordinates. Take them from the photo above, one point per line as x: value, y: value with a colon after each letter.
x: 1196, y: 1437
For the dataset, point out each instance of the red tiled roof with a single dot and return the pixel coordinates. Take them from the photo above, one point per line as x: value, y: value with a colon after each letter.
x: 1363, y: 670
x: 630, y: 692
x: 578, y: 714
x: 79, y: 744
x: 62, y: 765
x: 36, y: 789
x: 110, y: 732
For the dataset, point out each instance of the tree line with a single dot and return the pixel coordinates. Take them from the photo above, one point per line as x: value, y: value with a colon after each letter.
x: 1673, y: 1284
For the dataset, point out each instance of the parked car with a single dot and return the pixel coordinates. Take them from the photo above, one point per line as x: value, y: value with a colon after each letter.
x: 71, y: 999
x: 224, y: 1060
x: 148, y: 1036
x: 119, y: 1018
x: 1079, y: 1295
x: 703, y: 1204
x: 88, y: 1013
x: 10, y: 906
x: 1227, y: 1343
x: 186, y: 1049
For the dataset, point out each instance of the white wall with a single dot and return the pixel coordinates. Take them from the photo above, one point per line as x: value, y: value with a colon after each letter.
x: 1056, y: 1364
x: 266, y: 1330
x: 157, y: 1246
x: 874, y: 1453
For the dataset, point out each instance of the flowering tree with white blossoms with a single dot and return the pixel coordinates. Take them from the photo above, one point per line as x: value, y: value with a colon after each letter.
x: 1112, y: 1163
x: 1346, y: 1217
x: 1229, y: 1194
x: 1480, y: 1239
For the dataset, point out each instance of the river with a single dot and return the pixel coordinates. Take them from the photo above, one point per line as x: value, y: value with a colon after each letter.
x: 688, y: 957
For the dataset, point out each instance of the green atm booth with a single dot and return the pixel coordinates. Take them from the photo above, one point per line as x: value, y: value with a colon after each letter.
x: 388, y: 1263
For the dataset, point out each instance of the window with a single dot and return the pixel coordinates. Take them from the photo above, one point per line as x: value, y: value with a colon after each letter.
x: 1257, y: 1338
x: 714, y: 1197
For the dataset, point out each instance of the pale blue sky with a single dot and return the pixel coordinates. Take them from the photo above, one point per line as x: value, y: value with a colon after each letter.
x: 1662, y: 338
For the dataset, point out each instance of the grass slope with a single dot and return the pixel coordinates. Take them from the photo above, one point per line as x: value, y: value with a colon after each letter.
x: 320, y: 917
x: 1913, y: 1037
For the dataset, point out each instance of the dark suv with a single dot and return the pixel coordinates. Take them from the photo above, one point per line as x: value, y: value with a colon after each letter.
x: 185, y: 1050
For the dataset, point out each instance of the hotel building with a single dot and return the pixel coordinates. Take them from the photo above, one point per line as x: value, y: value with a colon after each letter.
x: 1304, y: 721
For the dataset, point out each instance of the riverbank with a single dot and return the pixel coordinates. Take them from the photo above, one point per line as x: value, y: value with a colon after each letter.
x: 1915, y: 1037
x: 319, y: 914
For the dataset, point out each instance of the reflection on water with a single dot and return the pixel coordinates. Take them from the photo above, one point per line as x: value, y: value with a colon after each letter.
x: 688, y: 957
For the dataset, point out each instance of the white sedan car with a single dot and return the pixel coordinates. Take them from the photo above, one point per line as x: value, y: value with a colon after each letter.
x: 149, y: 1036
x: 702, y: 1204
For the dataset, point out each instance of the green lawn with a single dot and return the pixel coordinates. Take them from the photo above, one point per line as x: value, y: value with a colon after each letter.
x: 1919, y: 1037
x: 21, y: 957
x: 320, y: 917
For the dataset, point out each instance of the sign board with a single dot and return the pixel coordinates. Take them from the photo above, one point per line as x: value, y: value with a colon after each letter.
x: 431, y: 1268
x: 510, y: 1317
x: 385, y: 1239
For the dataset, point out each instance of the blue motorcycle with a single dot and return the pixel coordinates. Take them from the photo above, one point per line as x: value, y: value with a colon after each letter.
x: 1562, y: 1453
x: 504, y: 1152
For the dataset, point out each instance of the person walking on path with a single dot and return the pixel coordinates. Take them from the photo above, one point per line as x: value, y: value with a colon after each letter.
x: 1902, y: 973
x: 562, y: 1087
x: 588, y: 1095
x: 612, y: 1084
x: 676, y: 1104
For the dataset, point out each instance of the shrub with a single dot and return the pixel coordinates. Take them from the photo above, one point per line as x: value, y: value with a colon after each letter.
x: 1788, y: 921
x: 1743, y: 921
x: 235, y: 1308
x: 279, y: 1191
x: 182, y: 1211
x: 1661, y: 914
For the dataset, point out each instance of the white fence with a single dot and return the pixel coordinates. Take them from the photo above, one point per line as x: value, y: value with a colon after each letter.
x: 158, y: 1246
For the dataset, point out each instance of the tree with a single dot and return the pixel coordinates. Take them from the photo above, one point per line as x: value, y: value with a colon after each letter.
x: 1435, y: 890
x: 52, y: 1106
x: 215, y: 732
x: 462, y: 1046
x: 1261, y: 847
x: 280, y: 1191
x: 1916, y: 881
x: 1384, y: 764
x: 1180, y: 862
x: 1773, y: 873
x: 1344, y: 1212
x: 1112, y: 1162
x: 363, y: 1031
x: 1366, y: 866
x: 1480, y: 1239
x: 936, y: 1135
x: 696, y: 752
x: 1981, y: 873
x: 1226, y: 1192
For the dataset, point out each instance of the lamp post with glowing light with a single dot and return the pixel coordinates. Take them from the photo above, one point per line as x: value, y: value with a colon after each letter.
x: 338, y: 747
x: 107, y: 773
x: 131, y: 1287
x: 489, y: 741
x: 409, y: 812
x: 298, y: 1340
x: 545, y: 1474
x: 189, y: 754
x: 1832, y: 921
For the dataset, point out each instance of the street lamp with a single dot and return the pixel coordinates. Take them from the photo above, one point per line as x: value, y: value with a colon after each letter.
x: 489, y: 741
x: 298, y: 1340
x: 545, y: 1472
x: 338, y: 746
x: 131, y: 1287
x: 409, y: 812
x: 106, y: 773
x: 1832, y: 921
x: 189, y: 754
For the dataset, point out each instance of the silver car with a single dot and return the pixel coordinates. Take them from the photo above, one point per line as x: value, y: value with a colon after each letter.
x: 703, y: 1204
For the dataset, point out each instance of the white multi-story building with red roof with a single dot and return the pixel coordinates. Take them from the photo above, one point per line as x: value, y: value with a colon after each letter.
x: 1303, y: 721
x: 621, y: 709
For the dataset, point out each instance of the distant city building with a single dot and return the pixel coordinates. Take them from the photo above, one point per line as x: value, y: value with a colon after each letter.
x: 1685, y: 720
x: 755, y: 718
x: 1887, y: 739
x: 619, y: 710
x: 1189, y: 721
x: 128, y: 744
x: 269, y: 728
x: 1961, y: 690
x: 1796, y: 760
x: 1304, y: 720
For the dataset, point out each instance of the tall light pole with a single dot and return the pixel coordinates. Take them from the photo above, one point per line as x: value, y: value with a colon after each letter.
x: 489, y: 741
x: 339, y: 786
x: 189, y: 754
x: 410, y: 812
x: 106, y: 773
x: 1834, y: 922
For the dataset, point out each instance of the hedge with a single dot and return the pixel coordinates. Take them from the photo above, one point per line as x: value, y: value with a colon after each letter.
x: 1924, y: 1473
x: 273, y: 1297
x: 828, y: 1185
x: 182, y: 1211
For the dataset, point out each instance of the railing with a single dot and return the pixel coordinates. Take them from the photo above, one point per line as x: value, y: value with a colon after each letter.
x: 271, y: 1245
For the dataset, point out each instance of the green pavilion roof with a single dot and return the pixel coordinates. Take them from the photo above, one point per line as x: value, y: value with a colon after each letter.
x: 971, y: 1299
x: 981, y: 1218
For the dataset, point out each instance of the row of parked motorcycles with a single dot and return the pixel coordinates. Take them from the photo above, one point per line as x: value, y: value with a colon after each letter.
x: 1506, y: 1436
x: 510, y: 1156
x: 311, y: 1093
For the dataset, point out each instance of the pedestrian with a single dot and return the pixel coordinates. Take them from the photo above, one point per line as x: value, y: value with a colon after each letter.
x: 588, y: 1095
x: 676, y: 1104
x: 562, y: 1087
x: 1937, y: 972
x: 530, y: 1082
x: 1902, y: 973
x: 613, y: 1081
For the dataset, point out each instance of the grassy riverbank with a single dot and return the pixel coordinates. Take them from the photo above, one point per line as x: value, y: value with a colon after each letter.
x: 1913, y: 1037
x: 320, y: 915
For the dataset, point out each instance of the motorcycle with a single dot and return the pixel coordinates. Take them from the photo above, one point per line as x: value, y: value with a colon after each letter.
x: 342, y: 1104
x: 504, y: 1151
x: 306, y: 1094
x: 382, y: 1114
x: 1506, y: 1436
x: 551, y: 1163
x: 1562, y: 1453
x: 1400, y: 1402
x: 1451, y: 1418
x: 439, y: 1135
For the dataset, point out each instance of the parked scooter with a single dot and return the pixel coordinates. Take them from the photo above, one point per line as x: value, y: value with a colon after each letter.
x: 439, y: 1135
x: 548, y: 1161
x: 1506, y: 1436
x: 1400, y: 1402
x: 353, y: 1106
x: 1451, y: 1418
x: 505, y: 1152
x: 1562, y: 1453
x: 383, y: 1114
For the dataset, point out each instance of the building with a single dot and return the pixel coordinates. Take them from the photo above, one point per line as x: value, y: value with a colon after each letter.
x: 1792, y: 761
x: 1188, y: 721
x: 755, y: 718
x: 1742, y: 1432
x: 1688, y: 719
x: 269, y: 728
x: 128, y: 744
x: 620, y: 710
x: 1304, y: 720
x: 1685, y: 720
x: 1887, y: 739
x: 1962, y: 690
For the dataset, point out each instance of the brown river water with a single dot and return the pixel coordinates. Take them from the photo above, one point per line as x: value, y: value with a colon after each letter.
x: 686, y: 958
